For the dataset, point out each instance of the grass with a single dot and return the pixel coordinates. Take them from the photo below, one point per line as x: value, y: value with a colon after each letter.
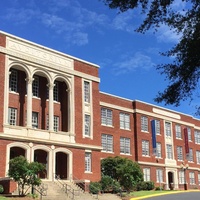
x: 2, y: 198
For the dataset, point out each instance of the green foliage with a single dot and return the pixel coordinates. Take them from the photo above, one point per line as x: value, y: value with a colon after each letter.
x: 95, y: 187
x: 108, y: 184
x: 159, y: 188
x: 149, y: 185
x: 24, y: 173
x: 144, y: 185
x: 127, y: 172
x: 1, y: 189
x: 182, y: 71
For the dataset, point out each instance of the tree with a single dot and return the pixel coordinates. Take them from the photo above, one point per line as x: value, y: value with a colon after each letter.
x: 183, y: 72
x: 24, y: 173
x: 127, y: 172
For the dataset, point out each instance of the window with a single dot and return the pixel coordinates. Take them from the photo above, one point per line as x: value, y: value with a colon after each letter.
x: 181, y: 175
x: 12, y: 116
x: 157, y: 127
x: 88, y: 162
x: 168, y: 131
x: 34, y: 119
x: 56, y: 123
x: 189, y: 134
x: 13, y: 80
x: 159, y: 175
x: 125, y: 145
x: 180, y: 153
x: 35, y: 86
x: 197, y: 137
x: 144, y: 124
x: 55, y: 91
x: 87, y: 91
x: 107, y: 142
x: 146, y: 172
x: 87, y: 125
x: 191, y: 177
x: 106, y: 117
x: 145, y: 147
x: 158, y: 150
x: 198, y: 157
x: 199, y: 179
x: 190, y: 159
x: 178, y: 132
x: 124, y: 121
x: 169, y: 151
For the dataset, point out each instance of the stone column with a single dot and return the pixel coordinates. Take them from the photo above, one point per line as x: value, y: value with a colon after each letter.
x: 51, y: 106
x: 29, y: 82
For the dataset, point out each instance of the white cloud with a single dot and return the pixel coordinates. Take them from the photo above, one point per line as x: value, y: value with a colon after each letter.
x: 165, y: 34
x: 124, y: 21
x: 132, y: 63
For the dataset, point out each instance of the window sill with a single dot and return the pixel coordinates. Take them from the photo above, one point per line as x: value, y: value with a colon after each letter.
x: 107, y: 125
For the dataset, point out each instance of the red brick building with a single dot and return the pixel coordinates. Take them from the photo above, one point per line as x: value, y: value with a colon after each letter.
x: 53, y: 112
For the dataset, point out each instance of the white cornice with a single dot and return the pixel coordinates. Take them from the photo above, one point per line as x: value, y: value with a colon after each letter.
x: 42, y: 141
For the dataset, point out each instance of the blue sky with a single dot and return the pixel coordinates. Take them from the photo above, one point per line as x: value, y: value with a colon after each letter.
x: 89, y: 30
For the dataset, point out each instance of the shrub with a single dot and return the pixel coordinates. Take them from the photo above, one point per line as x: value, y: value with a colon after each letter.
x: 95, y: 187
x: 149, y: 185
x: 159, y: 188
x: 1, y: 189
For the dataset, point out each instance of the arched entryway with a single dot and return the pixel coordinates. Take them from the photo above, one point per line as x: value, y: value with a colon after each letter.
x: 171, y: 180
x: 41, y: 156
x: 17, y: 151
x: 61, y: 165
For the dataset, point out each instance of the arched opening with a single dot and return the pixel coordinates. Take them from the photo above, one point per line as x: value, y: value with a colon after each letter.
x: 61, y: 105
x: 17, y: 85
x: 171, y: 180
x: 41, y: 156
x: 17, y: 151
x: 61, y: 165
x: 39, y: 102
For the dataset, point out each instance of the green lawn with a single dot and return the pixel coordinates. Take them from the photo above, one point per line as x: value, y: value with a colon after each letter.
x: 2, y: 198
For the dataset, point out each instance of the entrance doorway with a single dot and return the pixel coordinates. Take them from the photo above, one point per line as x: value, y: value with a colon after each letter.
x: 61, y: 165
x: 171, y: 180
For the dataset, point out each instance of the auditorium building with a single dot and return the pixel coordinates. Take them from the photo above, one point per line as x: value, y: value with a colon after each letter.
x: 52, y: 111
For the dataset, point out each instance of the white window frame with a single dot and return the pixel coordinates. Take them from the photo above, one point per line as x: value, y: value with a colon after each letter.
x: 87, y: 131
x: 197, y: 136
x: 157, y: 127
x: 145, y: 148
x: 13, y: 80
x: 107, y: 143
x: 198, y: 157
x: 106, y: 117
x: 169, y: 151
x: 178, y: 131
x: 35, y: 119
x: 179, y: 150
x: 86, y: 91
x: 168, y: 129
x: 144, y: 124
x: 199, y: 178
x: 146, y: 172
x: 158, y: 150
x: 56, y: 123
x: 190, y: 157
x: 189, y: 134
x: 181, y: 177
x: 124, y: 121
x: 159, y: 175
x: 192, y: 178
x: 35, y: 86
x: 88, y: 162
x: 12, y: 116
x: 56, y: 91
x: 125, y: 145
